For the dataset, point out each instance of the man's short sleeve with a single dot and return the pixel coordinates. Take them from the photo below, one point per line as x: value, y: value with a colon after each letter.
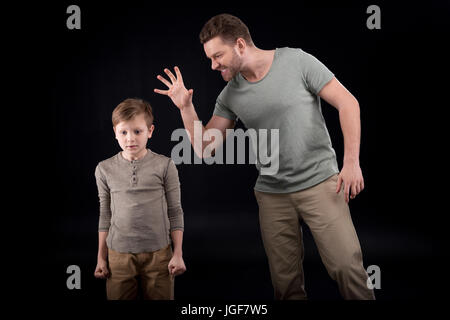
x: 315, y: 74
x: 222, y: 111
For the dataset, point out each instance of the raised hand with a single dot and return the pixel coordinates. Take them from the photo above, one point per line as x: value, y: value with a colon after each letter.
x: 180, y: 96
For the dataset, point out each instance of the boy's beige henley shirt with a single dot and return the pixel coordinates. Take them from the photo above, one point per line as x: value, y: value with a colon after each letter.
x: 140, y: 202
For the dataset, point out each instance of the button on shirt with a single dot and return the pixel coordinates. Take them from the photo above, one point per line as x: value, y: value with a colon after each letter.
x: 140, y: 202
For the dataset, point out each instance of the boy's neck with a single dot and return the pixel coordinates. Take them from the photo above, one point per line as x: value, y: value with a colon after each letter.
x: 134, y: 157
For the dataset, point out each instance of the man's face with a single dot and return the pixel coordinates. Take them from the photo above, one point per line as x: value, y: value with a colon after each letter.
x: 224, y: 57
x: 133, y: 135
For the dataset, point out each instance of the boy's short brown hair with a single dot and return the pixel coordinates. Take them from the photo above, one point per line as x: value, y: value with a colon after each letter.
x: 228, y: 27
x: 130, y: 108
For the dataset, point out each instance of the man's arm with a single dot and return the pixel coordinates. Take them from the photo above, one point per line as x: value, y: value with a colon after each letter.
x: 349, y: 116
x: 182, y: 98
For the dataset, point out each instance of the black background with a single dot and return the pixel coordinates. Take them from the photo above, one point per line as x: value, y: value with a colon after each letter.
x: 71, y: 80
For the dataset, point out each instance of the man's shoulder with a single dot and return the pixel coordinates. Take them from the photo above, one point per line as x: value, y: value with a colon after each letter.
x: 287, y: 52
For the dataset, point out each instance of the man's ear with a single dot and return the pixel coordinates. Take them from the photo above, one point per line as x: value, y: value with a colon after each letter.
x: 150, y: 131
x: 241, y: 45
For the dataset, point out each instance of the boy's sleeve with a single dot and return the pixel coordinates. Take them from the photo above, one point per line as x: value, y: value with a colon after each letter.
x: 315, y: 74
x: 105, y: 200
x: 173, y: 196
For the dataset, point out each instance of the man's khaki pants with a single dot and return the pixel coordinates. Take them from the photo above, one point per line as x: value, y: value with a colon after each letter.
x: 143, y: 275
x: 327, y: 215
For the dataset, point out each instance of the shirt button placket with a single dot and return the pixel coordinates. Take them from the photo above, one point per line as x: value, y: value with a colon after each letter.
x: 134, y: 175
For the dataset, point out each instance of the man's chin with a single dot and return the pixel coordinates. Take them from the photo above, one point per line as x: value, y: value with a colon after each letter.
x: 227, y: 78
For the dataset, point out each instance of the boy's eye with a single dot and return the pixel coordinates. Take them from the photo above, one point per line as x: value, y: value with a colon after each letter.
x: 137, y: 131
x: 124, y: 132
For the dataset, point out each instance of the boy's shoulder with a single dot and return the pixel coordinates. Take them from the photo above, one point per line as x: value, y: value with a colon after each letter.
x: 111, y: 161
x: 159, y: 157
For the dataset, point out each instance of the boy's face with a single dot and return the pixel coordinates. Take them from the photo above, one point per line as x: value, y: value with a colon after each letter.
x: 132, y: 136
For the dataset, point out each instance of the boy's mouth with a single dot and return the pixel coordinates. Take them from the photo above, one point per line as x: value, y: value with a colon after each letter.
x: 132, y: 147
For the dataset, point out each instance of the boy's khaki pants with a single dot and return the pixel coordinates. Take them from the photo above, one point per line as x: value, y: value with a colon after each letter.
x: 327, y: 215
x: 144, y: 274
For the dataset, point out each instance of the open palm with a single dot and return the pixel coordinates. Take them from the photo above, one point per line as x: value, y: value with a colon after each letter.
x: 180, y: 96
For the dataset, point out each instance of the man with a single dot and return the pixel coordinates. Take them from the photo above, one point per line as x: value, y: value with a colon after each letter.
x: 280, y: 89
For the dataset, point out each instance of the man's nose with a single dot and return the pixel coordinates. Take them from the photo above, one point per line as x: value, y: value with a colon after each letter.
x: 214, y: 65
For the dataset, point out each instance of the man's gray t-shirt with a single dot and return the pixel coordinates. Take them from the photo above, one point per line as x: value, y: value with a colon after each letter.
x: 286, y: 99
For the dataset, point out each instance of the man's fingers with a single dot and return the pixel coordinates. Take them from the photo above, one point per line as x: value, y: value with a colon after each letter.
x: 338, y: 186
x: 354, y: 190
x: 170, y: 74
x: 346, y: 191
x: 178, y: 73
x: 164, y: 92
x: 163, y: 80
x: 359, y: 187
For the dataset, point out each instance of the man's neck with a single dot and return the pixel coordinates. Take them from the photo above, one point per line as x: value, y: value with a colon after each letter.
x: 258, y: 65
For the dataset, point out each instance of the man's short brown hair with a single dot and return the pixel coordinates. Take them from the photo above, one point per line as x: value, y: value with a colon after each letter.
x: 228, y: 27
x: 130, y: 108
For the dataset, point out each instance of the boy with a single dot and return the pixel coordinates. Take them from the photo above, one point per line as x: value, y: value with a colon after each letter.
x: 140, y: 212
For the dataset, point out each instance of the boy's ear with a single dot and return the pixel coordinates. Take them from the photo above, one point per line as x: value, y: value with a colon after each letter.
x: 150, y: 131
x: 114, y: 129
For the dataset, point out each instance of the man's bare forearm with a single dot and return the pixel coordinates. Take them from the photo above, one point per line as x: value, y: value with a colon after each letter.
x: 189, y: 116
x: 102, y: 247
x: 349, y: 117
